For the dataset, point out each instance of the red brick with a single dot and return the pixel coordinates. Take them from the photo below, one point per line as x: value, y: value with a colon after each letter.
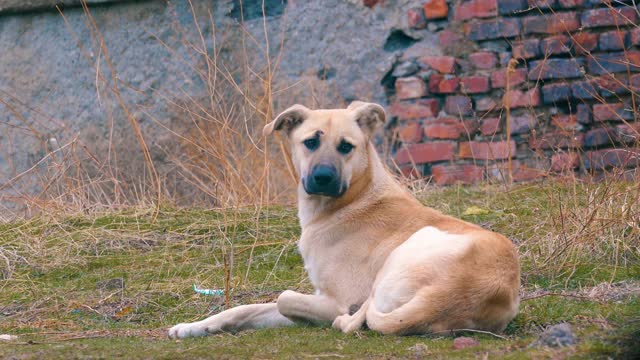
x: 628, y: 133
x: 476, y: 9
x: 499, y: 78
x: 410, y: 88
x: 556, y: 139
x: 611, y: 111
x: 371, y: 3
x: 614, y: 62
x: 583, y: 114
x: 440, y: 84
x: 619, y: 16
x: 568, y: 4
x: 611, y: 85
x: 555, y: 45
x: 443, y: 64
x: 635, y: 82
x: 634, y: 36
x: 416, y: 19
x: 521, y: 172
x: 486, y: 104
x: 551, y: 24
x: 448, y: 38
x: 584, y: 42
x: 556, y: 93
x: 526, y: 49
x: 561, y: 162
x: 436, y: 9
x: 483, y: 60
x: 426, y: 152
x: 518, y: 98
x: 541, y: 4
x: 509, y: 7
x: 490, y: 126
x: 451, y: 174
x: 492, y: 29
x: 410, y: 133
x: 555, y: 69
x: 565, y: 122
x: 599, y: 136
x: 608, y: 158
x: 422, y: 108
x: 613, y: 40
x: 584, y: 90
x: 522, y: 124
x: 474, y: 84
x: 446, y: 128
x: 487, y: 150
x: 458, y: 105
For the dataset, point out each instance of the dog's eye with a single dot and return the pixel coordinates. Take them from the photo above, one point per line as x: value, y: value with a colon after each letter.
x: 345, y: 147
x: 312, y: 143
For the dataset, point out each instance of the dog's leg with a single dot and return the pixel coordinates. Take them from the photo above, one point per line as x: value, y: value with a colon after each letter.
x: 232, y: 320
x: 349, y: 323
x: 316, y: 309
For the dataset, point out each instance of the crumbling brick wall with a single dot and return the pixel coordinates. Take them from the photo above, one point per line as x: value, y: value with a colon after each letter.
x: 566, y: 104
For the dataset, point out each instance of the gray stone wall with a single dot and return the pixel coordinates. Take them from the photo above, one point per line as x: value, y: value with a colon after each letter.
x: 55, y: 81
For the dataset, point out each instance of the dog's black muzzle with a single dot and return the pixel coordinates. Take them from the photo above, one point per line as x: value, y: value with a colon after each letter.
x: 324, y: 180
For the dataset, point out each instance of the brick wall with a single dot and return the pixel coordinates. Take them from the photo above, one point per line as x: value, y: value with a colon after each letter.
x: 569, y: 96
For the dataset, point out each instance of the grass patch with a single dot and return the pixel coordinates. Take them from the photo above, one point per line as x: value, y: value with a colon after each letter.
x: 60, y: 296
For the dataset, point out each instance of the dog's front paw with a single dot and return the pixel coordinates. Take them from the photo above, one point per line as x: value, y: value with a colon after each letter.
x: 184, y: 330
x: 346, y: 323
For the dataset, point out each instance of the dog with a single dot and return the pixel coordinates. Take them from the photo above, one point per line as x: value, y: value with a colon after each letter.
x: 374, y: 254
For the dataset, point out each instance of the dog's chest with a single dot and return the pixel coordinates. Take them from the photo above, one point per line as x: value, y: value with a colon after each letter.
x: 335, y: 269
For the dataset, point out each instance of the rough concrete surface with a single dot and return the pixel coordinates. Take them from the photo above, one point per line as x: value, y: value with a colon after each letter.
x: 55, y: 81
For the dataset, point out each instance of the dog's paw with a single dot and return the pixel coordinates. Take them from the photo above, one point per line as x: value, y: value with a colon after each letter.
x: 346, y: 323
x: 184, y: 330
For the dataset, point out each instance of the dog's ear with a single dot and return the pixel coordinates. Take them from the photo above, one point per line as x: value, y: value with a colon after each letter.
x: 287, y: 120
x: 369, y: 116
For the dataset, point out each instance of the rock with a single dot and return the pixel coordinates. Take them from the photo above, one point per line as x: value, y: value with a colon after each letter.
x: 464, y: 342
x: 419, y: 350
x: 405, y: 68
x: 556, y: 336
x: 7, y: 337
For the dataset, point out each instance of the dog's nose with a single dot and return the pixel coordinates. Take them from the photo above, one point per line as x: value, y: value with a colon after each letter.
x: 324, y: 180
x: 323, y: 175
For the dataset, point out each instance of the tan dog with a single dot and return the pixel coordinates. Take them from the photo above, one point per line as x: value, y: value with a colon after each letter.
x: 373, y: 253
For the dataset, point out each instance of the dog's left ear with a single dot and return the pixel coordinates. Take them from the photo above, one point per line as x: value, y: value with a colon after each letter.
x: 287, y: 120
x: 369, y: 116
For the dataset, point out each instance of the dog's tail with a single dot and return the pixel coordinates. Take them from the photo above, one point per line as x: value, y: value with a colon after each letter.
x: 416, y: 316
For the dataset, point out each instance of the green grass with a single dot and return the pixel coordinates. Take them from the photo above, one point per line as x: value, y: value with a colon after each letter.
x: 52, y: 296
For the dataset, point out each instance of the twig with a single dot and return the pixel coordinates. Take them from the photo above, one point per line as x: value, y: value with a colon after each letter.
x: 472, y: 330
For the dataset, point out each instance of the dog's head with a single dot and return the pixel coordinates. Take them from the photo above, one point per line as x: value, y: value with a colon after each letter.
x: 329, y: 148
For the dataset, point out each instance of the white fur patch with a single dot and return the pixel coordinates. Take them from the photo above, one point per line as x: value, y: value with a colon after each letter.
x: 419, y: 260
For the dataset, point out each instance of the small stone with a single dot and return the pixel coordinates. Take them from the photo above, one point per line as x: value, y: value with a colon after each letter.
x: 419, y: 350
x: 464, y: 343
x: 405, y: 68
x: 7, y: 337
x: 556, y: 336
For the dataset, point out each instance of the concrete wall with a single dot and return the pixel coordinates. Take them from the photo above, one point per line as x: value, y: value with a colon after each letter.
x: 55, y: 81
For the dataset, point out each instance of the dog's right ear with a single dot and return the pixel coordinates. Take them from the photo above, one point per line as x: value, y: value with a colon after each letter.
x: 287, y: 120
